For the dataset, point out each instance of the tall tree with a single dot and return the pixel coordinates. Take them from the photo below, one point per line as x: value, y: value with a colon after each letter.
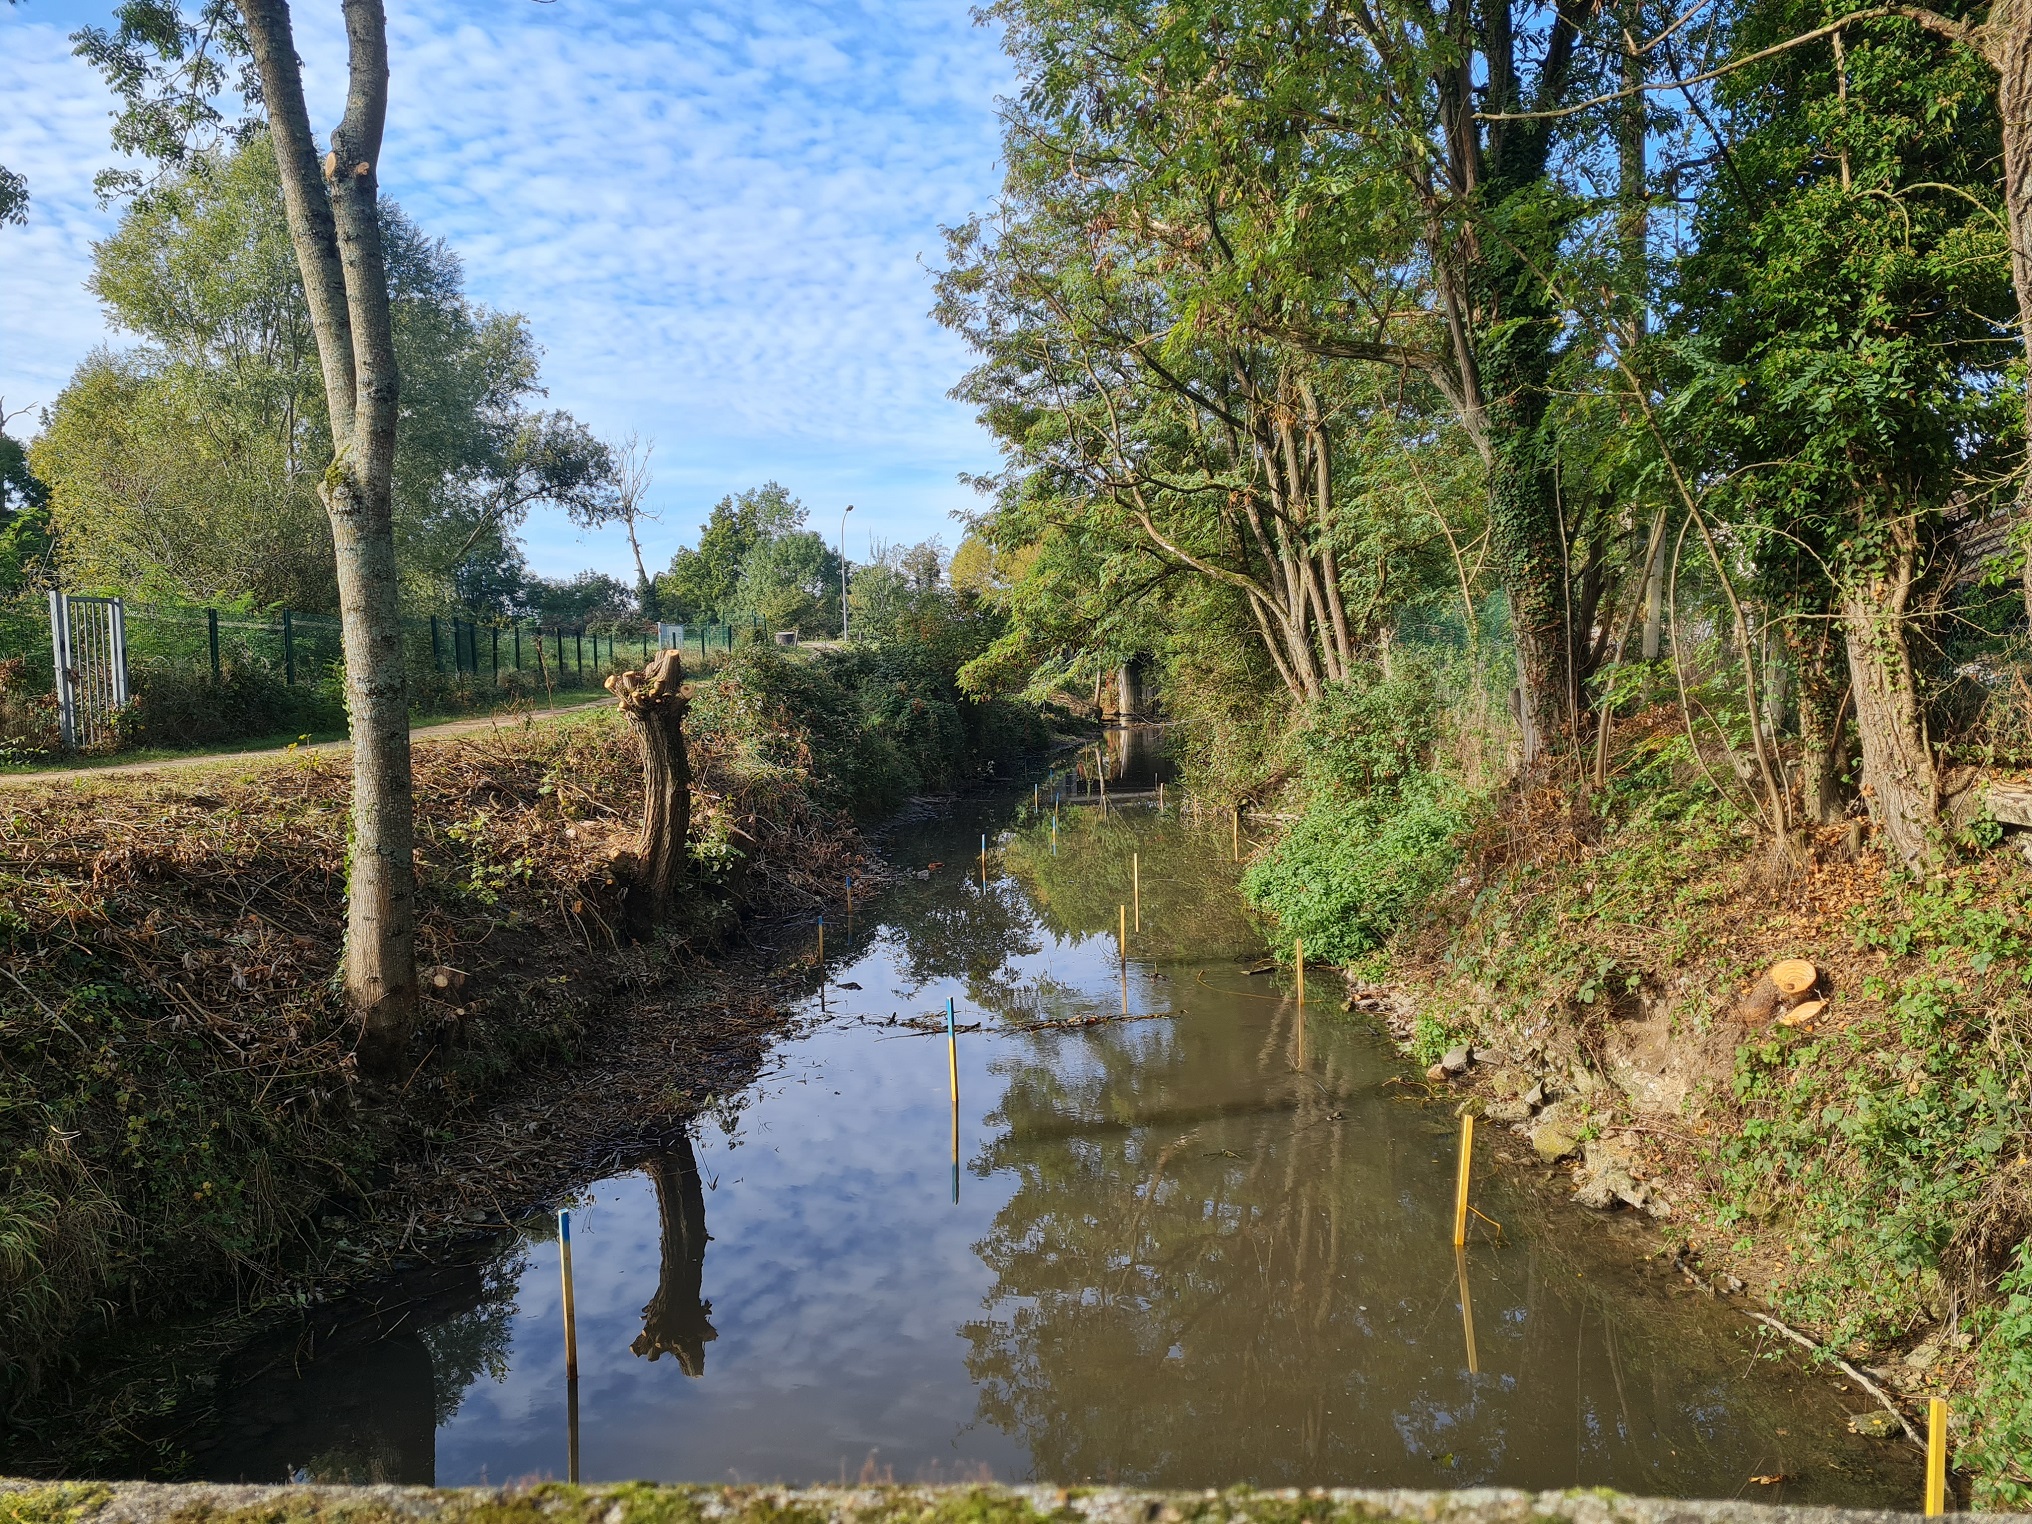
x: 332, y: 204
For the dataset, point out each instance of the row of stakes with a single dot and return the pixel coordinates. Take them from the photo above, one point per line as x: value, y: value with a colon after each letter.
x: 1936, y: 1418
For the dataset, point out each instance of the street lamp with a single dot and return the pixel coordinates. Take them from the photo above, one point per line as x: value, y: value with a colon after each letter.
x: 843, y: 569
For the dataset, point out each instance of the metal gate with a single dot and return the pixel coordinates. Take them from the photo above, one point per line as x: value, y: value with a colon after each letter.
x: 88, y: 638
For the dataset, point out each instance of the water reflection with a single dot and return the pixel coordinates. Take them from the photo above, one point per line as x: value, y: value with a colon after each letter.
x: 676, y: 1321
x: 1209, y: 1244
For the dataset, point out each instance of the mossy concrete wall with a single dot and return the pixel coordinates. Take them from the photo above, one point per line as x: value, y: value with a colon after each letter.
x: 644, y: 1503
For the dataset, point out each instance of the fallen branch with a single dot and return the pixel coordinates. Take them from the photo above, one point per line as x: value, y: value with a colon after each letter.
x: 1847, y: 1369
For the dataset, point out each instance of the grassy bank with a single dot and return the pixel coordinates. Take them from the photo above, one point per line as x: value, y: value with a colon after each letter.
x: 179, y: 1108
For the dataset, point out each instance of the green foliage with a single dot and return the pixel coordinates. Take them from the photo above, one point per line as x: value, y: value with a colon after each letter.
x: 2001, y: 1441
x: 792, y: 581
x: 1350, y: 872
x: 178, y: 706
x: 701, y: 583
x: 188, y: 467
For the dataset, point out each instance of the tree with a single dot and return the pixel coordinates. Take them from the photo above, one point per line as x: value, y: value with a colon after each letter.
x: 1380, y: 185
x: 700, y: 583
x: 653, y: 700
x: 169, y: 72
x: 627, y: 505
x: 188, y: 465
x: 1840, y: 310
x: 25, y: 542
x: 792, y: 581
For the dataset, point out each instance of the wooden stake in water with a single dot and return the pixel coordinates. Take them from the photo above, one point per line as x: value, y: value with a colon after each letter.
x: 1136, y: 886
x: 984, y: 862
x: 1298, y: 950
x: 1460, y: 1190
x: 850, y: 896
x: 1101, y: 772
x: 1160, y: 798
x: 571, y: 1429
x: 1238, y: 833
x: 1122, y: 933
x: 821, y: 963
x: 571, y: 1316
x: 952, y: 1060
x: 1936, y: 1457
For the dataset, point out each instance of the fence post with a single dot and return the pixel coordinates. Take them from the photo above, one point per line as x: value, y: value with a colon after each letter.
x: 288, y: 651
x: 494, y: 638
x: 515, y: 629
x: 436, y: 655
x: 558, y: 631
x: 578, y: 641
x: 212, y: 633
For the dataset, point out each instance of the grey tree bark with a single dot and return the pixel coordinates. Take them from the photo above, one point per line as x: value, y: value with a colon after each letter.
x: 332, y: 206
x: 1899, y: 772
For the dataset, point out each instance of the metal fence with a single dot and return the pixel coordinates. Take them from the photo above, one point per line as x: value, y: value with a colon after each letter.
x: 442, y: 650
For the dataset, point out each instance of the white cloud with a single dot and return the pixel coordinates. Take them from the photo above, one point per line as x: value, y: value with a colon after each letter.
x: 717, y: 220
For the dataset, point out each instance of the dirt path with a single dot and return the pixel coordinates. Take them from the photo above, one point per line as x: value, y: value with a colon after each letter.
x: 444, y: 731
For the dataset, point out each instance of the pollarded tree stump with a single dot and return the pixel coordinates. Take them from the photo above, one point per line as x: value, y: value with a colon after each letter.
x: 653, y: 699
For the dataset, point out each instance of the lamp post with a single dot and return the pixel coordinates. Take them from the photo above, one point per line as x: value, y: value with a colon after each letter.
x: 843, y: 569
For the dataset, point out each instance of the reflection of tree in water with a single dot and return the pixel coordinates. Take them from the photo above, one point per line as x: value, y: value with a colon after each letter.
x: 476, y: 1340
x: 1190, y: 908
x: 1215, y: 1268
x: 969, y: 936
x: 675, y: 1321
x: 355, y: 1392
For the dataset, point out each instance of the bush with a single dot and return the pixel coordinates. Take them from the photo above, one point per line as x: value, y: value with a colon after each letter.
x: 177, y: 706
x: 1352, y: 869
x: 28, y: 730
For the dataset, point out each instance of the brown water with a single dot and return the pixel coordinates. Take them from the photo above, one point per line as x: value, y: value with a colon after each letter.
x: 1199, y: 1249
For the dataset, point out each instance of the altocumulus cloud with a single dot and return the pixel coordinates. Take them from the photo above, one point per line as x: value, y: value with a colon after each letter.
x: 717, y: 217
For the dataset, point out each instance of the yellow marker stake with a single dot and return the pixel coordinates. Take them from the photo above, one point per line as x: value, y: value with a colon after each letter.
x: 1298, y: 946
x: 1467, y: 1308
x: 1936, y: 1457
x: 1122, y: 933
x: 1136, y: 885
x: 1160, y: 797
x: 1238, y: 835
x: 1460, y: 1194
x: 952, y: 1059
x: 571, y: 1316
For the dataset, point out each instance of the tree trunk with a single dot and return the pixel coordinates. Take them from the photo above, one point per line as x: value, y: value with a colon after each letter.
x: 1126, y: 705
x: 2007, y: 43
x: 333, y: 211
x: 1823, y: 710
x: 654, y: 702
x: 1654, y: 594
x: 1899, y: 774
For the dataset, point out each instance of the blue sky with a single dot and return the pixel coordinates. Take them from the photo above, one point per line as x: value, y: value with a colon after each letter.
x: 719, y: 218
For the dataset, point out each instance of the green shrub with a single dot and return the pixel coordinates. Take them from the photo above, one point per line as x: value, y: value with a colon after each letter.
x: 176, y: 706
x: 1352, y: 869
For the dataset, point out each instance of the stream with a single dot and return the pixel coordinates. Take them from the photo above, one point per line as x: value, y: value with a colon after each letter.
x: 1207, y: 1244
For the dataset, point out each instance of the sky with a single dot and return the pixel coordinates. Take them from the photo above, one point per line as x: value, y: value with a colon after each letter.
x: 719, y: 217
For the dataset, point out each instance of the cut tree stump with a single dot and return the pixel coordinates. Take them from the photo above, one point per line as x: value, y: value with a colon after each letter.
x: 2010, y: 803
x: 653, y: 699
x: 1794, y: 977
